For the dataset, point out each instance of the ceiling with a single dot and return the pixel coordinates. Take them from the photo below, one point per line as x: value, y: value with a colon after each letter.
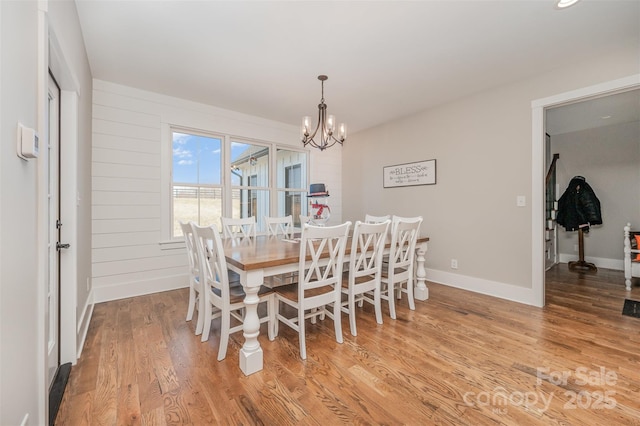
x: 384, y: 59
x: 600, y: 111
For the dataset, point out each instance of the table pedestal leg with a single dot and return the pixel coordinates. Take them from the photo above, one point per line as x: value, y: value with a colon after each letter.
x: 421, y: 292
x: 251, y: 352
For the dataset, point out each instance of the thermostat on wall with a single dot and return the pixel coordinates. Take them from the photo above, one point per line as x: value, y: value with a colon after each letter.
x: 27, y: 142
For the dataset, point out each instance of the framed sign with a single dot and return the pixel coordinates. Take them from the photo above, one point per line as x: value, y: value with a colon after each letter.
x: 410, y: 174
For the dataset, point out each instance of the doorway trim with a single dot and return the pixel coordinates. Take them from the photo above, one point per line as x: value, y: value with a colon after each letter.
x: 69, y: 95
x: 538, y: 171
x: 51, y: 57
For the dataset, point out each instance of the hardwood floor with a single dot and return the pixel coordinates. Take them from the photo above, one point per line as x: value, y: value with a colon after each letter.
x: 459, y: 358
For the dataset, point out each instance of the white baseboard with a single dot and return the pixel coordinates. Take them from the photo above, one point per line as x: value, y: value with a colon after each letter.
x: 85, y: 317
x: 600, y: 262
x: 83, y: 324
x: 139, y: 288
x: 479, y: 285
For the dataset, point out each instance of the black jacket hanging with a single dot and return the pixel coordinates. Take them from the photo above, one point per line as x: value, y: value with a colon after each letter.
x: 579, y: 207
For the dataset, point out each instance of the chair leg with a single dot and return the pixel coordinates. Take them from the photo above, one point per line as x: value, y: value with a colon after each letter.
x: 352, y: 315
x: 272, y: 313
x: 301, y: 336
x: 391, y: 295
x: 337, y: 320
x: 225, y: 321
x: 206, y: 323
x: 412, y: 303
x: 377, y: 306
x: 201, y: 315
x: 276, y: 314
x: 192, y: 303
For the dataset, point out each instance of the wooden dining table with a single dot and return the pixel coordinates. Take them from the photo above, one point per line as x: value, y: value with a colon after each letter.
x: 258, y: 258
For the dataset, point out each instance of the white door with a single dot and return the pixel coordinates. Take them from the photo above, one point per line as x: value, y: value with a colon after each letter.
x: 52, y: 327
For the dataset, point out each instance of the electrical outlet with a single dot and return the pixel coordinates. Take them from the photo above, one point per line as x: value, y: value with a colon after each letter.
x: 454, y: 263
x: 88, y: 284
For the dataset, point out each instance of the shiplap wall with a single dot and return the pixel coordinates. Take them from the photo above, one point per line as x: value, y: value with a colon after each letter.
x: 130, y: 131
x: 126, y: 204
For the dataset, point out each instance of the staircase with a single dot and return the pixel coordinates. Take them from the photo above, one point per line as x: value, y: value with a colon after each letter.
x: 551, y: 210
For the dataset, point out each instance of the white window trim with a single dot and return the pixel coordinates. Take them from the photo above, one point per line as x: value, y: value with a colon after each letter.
x: 166, y: 161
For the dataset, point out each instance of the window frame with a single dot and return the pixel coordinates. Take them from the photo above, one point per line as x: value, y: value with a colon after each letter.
x: 226, y: 186
x: 197, y: 186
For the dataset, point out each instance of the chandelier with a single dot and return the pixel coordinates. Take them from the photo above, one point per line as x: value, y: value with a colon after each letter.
x: 326, y: 126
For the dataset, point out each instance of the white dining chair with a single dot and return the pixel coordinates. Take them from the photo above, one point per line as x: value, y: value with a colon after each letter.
x: 319, y: 283
x: 283, y: 226
x: 362, y: 281
x: 279, y: 225
x: 304, y: 219
x: 376, y: 219
x: 239, y: 227
x: 397, y: 274
x: 221, y: 299
x: 193, y: 269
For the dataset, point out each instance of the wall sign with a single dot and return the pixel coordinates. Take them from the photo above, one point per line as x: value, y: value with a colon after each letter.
x: 410, y: 174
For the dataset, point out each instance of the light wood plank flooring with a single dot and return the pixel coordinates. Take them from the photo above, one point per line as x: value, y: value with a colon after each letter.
x: 460, y: 358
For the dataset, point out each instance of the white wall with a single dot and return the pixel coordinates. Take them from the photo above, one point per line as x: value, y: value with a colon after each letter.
x: 130, y: 204
x: 18, y: 183
x: 609, y: 158
x: 22, y: 382
x: 483, y: 149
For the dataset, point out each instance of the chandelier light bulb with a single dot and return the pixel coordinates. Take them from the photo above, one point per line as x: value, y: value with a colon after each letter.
x: 306, y: 125
x: 331, y: 124
x: 342, y: 132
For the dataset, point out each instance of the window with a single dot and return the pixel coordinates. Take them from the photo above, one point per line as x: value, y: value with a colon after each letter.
x: 291, y: 172
x: 215, y: 176
x: 293, y: 200
x: 253, y: 197
x: 196, y: 189
x: 250, y: 181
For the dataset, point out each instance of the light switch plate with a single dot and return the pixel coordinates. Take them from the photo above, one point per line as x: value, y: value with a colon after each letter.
x: 521, y: 201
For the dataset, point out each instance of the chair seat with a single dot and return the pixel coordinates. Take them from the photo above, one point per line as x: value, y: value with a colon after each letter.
x: 397, y: 271
x: 357, y: 280
x: 291, y: 291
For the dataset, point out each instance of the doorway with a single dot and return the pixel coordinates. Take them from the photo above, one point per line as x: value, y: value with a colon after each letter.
x: 57, y: 375
x: 539, y: 170
x: 52, y: 327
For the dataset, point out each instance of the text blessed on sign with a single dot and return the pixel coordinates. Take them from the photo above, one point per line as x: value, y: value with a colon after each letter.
x: 410, y: 174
